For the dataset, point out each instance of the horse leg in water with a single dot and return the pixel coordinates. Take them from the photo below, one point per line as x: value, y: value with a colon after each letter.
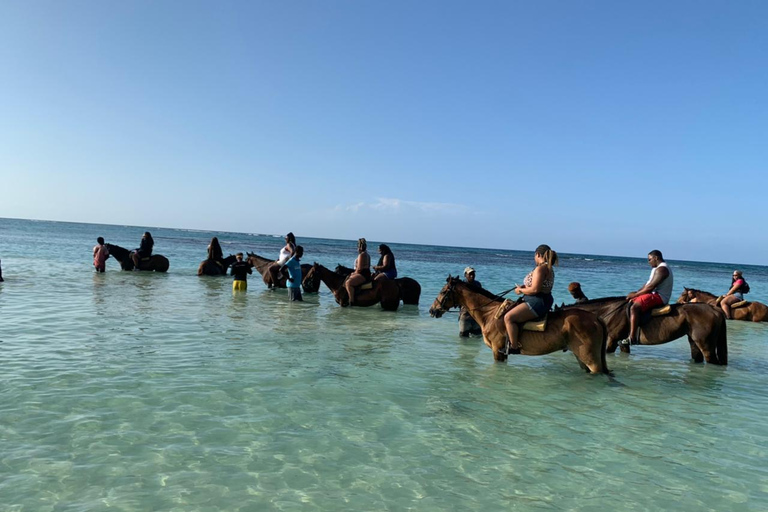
x: 696, y: 354
x: 586, y: 343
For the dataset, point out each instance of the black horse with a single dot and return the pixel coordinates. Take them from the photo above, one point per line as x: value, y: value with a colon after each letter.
x: 156, y: 262
x: 216, y: 268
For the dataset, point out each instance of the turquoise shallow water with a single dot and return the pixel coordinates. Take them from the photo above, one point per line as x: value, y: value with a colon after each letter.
x: 139, y: 391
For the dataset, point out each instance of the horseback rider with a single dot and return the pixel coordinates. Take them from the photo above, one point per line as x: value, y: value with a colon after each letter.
x: 214, y: 251
x: 735, y: 294
x: 362, y: 271
x: 467, y: 324
x: 655, y: 293
x: 144, y: 250
x: 537, y: 295
x: 286, y: 253
x: 385, y: 268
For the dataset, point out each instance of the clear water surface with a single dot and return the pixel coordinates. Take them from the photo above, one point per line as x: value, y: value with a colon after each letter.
x: 139, y: 391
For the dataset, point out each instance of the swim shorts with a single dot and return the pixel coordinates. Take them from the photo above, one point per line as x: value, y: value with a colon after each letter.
x: 539, y: 304
x: 239, y: 286
x: 648, y: 301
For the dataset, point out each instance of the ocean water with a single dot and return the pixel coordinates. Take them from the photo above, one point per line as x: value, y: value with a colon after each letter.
x: 136, y: 391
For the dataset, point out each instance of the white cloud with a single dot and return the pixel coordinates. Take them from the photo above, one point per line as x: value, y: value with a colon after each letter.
x: 387, y: 204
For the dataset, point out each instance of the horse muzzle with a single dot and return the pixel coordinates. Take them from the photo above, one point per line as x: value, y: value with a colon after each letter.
x: 435, y: 313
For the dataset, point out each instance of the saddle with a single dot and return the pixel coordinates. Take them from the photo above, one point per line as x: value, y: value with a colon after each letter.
x: 365, y: 286
x: 662, y: 311
x: 538, y: 325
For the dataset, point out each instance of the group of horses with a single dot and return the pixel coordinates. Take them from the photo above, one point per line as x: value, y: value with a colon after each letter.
x: 588, y: 329
x: 591, y: 329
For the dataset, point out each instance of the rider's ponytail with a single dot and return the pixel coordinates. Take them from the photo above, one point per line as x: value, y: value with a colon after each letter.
x: 550, y: 256
x: 362, y: 245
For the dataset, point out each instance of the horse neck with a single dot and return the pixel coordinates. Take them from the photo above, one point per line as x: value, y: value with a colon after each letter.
x: 259, y: 263
x: 341, y: 269
x: 704, y: 296
x: 480, y: 306
x: 229, y: 259
x: 119, y: 253
x: 331, y: 279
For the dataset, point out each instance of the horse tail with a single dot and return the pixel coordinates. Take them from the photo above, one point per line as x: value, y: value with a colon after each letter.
x: 604, y: 347
x: 721, y: 349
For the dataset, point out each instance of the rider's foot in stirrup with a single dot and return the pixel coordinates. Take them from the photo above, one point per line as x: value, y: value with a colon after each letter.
x: 627, y: 342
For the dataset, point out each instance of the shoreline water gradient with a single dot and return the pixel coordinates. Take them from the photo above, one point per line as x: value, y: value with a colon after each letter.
x: 144, y: 391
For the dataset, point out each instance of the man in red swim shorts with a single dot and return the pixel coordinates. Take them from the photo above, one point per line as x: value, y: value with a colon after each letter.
x: 655, y: 293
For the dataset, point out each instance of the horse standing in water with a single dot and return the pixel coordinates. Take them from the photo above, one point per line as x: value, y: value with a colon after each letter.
x: 582, y: 332
x: 215, y: 268
x: 704, y: 325
x: 385, y: 292
x: 262, y: 264
x: 410, y: 289
x: 156, y: 262
x: 751, y: 311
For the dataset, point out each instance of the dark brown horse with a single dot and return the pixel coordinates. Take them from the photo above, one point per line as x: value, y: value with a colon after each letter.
x: 704, y: 325
x: 156, y: 262
x: 262, y: 264
x: 215, y: 268
x: 751, y: 311
x: 384, y: 292
x: 582, y: 332
x: 410, y: 289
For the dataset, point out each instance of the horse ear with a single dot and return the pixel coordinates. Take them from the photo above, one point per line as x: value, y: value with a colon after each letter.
x: 449, y: 279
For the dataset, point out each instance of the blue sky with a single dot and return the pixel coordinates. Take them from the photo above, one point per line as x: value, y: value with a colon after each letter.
x: 596, y: 127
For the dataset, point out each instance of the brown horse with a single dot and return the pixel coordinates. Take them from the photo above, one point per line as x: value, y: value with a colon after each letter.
x: 384, y: 292
x: 704, y: 325
x: 156, y: 262
x: 410, y: 289
x: 752, y: 311
x: 215, y: 268
x: 262, y: 264
x: 580, y: 331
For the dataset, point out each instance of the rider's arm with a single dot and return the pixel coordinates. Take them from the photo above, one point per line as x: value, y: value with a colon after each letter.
x: 386, y: 263
x: 536, y: 280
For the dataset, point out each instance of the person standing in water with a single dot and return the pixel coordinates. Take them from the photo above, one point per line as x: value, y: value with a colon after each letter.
x: 293, y: 265
x: 240, y: 271
x: 1, y: 272
x: 100, y: 255
x: 575, y: 290
x: 467, y: 324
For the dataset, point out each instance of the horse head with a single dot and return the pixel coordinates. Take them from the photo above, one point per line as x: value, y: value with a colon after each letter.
x: 310, y: 280
x: 686, y: 296
x: 446, y: 299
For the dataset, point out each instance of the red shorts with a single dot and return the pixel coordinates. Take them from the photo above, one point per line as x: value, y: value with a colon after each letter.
x: 648, y: 301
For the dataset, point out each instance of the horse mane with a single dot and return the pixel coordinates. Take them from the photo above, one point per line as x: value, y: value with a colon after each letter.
x: 482, y: 291
x: 694, y: 290
x: 119, y: 253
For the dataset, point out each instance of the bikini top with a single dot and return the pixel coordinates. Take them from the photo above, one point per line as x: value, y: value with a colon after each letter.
x: 546, y: 286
